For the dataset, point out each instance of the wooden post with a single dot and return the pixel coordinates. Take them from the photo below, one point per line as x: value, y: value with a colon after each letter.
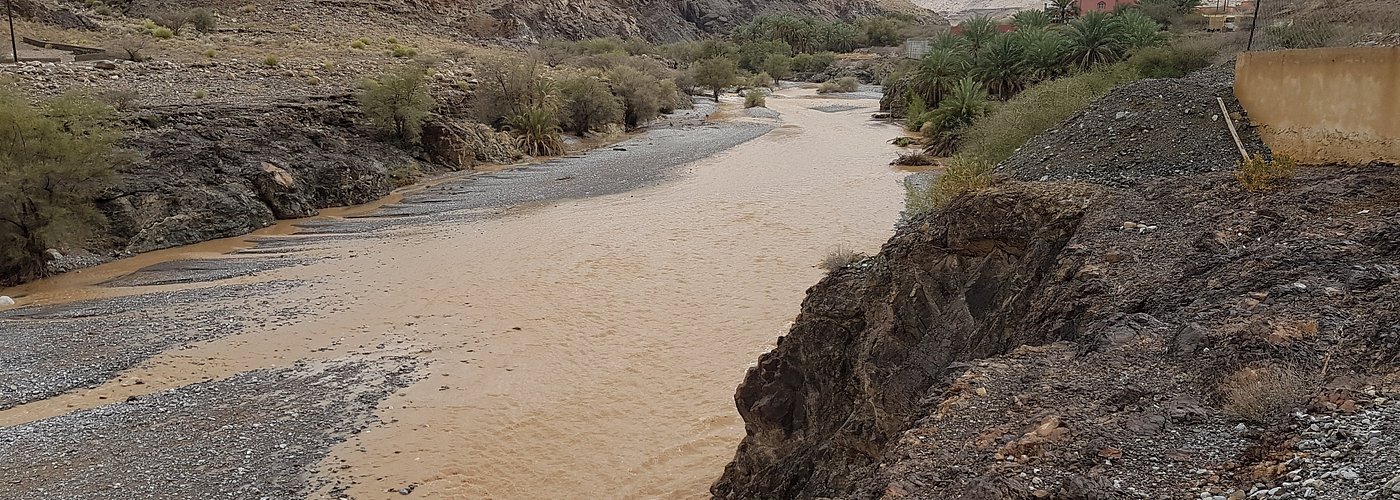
x: 10, y: 11
x: 1231, y: 123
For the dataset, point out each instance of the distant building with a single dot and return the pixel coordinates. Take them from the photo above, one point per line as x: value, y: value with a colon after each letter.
x: 1102, y: 5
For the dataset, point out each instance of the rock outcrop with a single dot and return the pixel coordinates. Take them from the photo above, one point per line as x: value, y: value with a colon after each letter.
x: 222, y: 170
x: 1099, y: 328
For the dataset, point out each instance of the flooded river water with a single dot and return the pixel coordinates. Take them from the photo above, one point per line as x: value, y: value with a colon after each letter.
x: 586, y: 348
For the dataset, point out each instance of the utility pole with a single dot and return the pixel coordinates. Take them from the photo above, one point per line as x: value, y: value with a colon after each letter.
x: 10, y: 11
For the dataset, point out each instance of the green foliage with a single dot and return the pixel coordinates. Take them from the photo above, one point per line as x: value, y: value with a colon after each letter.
x: 716, y: 74
x: 1094, y: 39
x: 938, y: 71
x: 1170, y: 62
x: 1042, y: 53
x: 536, y: 131
x: 357, y: 44
x: 397, y: 103
x: 813, y: 63
x: 756, y: 98
x: 915, y: 113
x: 162, y: 33
x: 753, y: 54
x: 402, y: 51
x: 1031, y: 19
x: 1139, y: 31
x: 600, y: 46
x: 588, y: 104
x: 508, y: 85
x: 1000, y: 65
x: 843, y: 84
x: 272, y: 61
x: 961, y: 174
x: 203, y: 20
x: 761, y: 80
x: 1259, y: 174
x: 673, y: 97
x: 55, y: 158
x: 881, y: 31
x: 778, y: 66
x: 1064, y: 10
x: 944, y: 128
x: 997, y: 135
x: 640, y: 94
x: 802, y: 33
x: 977, y: 31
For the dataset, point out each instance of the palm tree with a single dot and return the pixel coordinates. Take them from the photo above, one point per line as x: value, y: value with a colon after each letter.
x: 1042, y: 53
x: 1094, y: 39
x: 977, y: 31
x: 937, y: 72
x: 1030, y: 19
x: 1000, y: 66
x: 1065, y: 9
x: 1139, y: 31
x: 947, y: 40
x: 967, y: 101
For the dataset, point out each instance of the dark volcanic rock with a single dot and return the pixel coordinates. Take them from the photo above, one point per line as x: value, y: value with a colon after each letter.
x: 1099, y: 375
x: 219, y: 171
x: 976, y: 280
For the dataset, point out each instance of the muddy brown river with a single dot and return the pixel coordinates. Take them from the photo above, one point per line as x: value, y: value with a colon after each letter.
x: 587, y: 348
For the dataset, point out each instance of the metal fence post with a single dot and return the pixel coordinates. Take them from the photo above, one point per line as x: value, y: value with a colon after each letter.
x: 1253, y: 25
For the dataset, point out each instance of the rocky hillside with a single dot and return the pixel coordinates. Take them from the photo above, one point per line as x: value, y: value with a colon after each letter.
x: 1096, y: 339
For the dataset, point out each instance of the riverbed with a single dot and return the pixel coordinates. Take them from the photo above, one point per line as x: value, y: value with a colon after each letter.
x: 576, y: 345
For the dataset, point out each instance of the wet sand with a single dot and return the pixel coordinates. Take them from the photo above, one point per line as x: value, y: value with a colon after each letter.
x: 581, y: 340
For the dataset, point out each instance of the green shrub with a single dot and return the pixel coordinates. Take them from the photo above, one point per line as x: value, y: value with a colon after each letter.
x: 756, y: 98
x: 716, y: 74
x: 588, y: 105
x: 844, y: 84
x: 998, y: 134
x: 915, y: 113
x: 357, y: 44
x: 58, y: 156
x: 813, y: 63
x: 639, y: 92
x: 397, y: 103
x: 778, y: 66
x: 402, y: 51
x: 272, y: 61
x: 210, y: 53
x: 673, y: 97
x: 508, y: 85
x: 761, y: 80
x: 203, y: 20
x: 945, y: 125
x: 536, y: 131
x: 163, y: 33
x: 1258, y: 174
x: 200, y: 93
x: 961, y: 174
x: 1170, y: 62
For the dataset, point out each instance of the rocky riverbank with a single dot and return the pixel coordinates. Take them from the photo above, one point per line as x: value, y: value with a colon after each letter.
x: 1116, y: 330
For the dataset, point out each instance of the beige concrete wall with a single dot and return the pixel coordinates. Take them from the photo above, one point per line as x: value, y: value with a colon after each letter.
x: 1336, y: 105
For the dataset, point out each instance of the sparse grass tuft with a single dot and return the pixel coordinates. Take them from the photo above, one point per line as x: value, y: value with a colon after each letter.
x: 401, y: 51
x: 962, y: 174
x: 201, y: 93
x: 839, y: 257
x: 999, y: 133
x: 272, y: 61
x: 357, y: 44
x: 210, y: 53
x: 1259, y: 174
x: 120, y: 100
x: 845, y: 84
x: 163, y: 33
x: 1264, y: 394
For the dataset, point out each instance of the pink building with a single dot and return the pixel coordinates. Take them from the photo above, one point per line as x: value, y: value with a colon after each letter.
x: 1102, y: 5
